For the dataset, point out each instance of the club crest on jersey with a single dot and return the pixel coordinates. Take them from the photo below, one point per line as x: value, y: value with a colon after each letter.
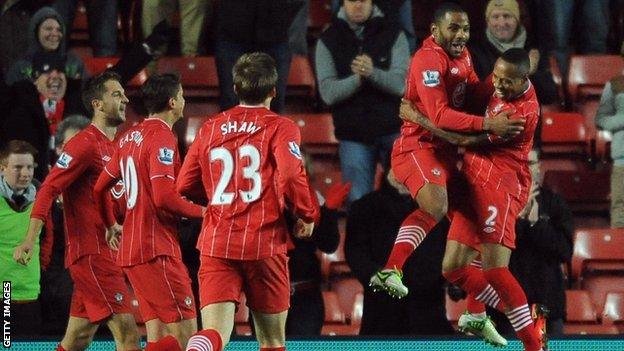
x: 459, y: 94
x: 188, y: 301
x: 294, y: 149
x: 431, y: 78
x: 436, y: 172
x: 498, y: 108
x: 454, y: 70
x: 64, y: 160
x: 165, y: 156
x: 118, y: 297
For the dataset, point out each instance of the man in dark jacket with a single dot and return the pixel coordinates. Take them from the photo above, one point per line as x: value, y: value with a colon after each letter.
x: 372, y: 226
x: 505, y: 31
x: 544, y: 232
x: 361, y: 62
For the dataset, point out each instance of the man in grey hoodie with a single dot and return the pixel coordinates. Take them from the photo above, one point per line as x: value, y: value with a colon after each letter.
x: 47, y: 33
x: 610, y: 117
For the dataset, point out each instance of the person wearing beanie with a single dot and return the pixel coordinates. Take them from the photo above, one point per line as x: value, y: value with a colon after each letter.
x: 504, y: 31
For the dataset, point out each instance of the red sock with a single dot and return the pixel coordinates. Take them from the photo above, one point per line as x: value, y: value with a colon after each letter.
x: 518, y: 314
x: 474, y: 283
x: 208, y: 339
x: 60, y: 348
x: 473, y: 306
x: 281, y: 348
x: 413, y: 231
x: 168, y: 343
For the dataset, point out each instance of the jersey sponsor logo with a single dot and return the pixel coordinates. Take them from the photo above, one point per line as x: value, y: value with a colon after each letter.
x: 489, y: 230
x: 431, y: 78
x: 165, y: 156
x: 64, y: 160
x: 294, y: 149
x: 106, y: 158
x: 459, y: 94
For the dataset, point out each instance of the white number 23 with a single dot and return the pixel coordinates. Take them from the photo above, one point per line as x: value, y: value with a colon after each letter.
x: 221, y: 197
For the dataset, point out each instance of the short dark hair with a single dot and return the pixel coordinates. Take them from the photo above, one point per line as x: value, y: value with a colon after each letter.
x: 94, y: 88
x: 158, y: 89
x: 255, y: 76
x: 518, y: 57
x: 444, y: 8
x: 19, y: 147
x: 77, y: 122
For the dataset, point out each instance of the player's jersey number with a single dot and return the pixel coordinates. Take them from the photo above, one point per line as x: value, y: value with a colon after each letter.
x: 130, y: 181
x: 222, y: 197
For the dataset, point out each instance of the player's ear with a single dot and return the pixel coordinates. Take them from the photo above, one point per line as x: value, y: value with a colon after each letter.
x: 97, y: 104
x: 433, y: 28
x: 273, y: 93
x: 172, y: 102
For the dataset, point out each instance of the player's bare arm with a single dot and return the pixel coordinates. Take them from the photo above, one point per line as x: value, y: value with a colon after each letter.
x: 23, y: 253
x: 408, y: 112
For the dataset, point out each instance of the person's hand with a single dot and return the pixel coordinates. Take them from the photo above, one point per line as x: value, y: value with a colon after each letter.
x: 303, y: 230
x: 336, y: 195
x: 362, y: 65
x: 112, y: 236
x: 502, y: 126
x: 534, y: 57
x: 23, y: 253
x: 530, y: 212
x: 409, y: 113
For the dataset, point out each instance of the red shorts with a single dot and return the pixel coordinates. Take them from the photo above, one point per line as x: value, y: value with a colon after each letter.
x: 163, y: 288
x: 485, y: 216
x: 418, y: 167
x: 265, y: 282
x: 100, y: 288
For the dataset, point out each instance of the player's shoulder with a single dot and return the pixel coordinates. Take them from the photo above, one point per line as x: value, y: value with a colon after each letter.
x: 82, y: 142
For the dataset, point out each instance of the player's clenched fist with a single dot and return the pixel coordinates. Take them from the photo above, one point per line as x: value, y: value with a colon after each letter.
x: 112, y: 236
x: 23, y: 253
x: 303, y: 230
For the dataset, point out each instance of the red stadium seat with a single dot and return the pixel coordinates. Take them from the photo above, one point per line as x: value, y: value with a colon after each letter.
x: 564, y: 132
x: 598, y: 250
x: 454, y: 309
x: 333, y: 312
x: 599, y: 286
x: 347, y: 290
x: 613, y: 312
x: 96, y: 65
x: 579, y: 307
x: 198, y: 74
x: 193, y: 124
x: 583, y: 190
x: 593, y: 329
x: 588, y: 74
x: 301, y: 80
x: 317, y: 133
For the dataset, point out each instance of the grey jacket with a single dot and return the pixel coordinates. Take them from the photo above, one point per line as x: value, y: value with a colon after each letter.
x: 610, y: 117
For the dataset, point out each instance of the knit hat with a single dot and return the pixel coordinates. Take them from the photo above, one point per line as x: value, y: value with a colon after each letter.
x: 509, y: 5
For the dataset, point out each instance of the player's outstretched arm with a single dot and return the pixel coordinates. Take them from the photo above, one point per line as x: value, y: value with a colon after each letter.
x: 409, y: 113
x: 100, y: 194
x: 189, y: 177
x: 166, y: 198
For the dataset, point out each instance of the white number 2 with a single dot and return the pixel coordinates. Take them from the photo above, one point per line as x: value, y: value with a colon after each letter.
x: 221, y: 197
x: 130, y: 181
x: 493, y: 213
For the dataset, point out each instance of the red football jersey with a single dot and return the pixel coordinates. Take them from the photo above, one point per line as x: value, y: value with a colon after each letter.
x: 248, y: 159
x: 505, y: 166
x: 145, y: 152
x: 437, y: 85
x: 74, y: 175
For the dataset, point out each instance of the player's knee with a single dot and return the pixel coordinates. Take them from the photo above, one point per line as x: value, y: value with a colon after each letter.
x: 78, y: 341
x: 436, y: 209
x: 450, y: 265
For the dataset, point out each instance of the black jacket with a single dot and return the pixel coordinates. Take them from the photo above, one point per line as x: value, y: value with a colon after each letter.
x: 372, y: 226
x: 484, y: 56
x: 371, y: 112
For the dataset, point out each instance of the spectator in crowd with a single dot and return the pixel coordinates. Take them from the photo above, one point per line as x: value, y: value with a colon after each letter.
x: 298, y: 31
x: 38, y: 105
x: 192, y: 14
x: 245, y: 26
x: 17, y: 164
x: 505, y: 31
x: 14, y: 19
x: 544, y: 232
x: 397, y: 10
x: 307, y: 313
x: 610, y: 117
x: 102, y: 17
x: 47, y: 33
x: 372, y: 225
x: 361, y: 62
x: 592, y: 21
x: 56, y: 283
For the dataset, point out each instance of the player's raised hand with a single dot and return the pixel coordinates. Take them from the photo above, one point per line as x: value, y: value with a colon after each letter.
x: 23, y: 253
x: 502, y: 126
x: 534, y: 57
x: 112, y: 236
x: 303, y: 230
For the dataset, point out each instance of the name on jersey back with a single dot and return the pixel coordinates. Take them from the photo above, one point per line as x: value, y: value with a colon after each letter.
x: 135, y: 136
x: 234, y: 127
